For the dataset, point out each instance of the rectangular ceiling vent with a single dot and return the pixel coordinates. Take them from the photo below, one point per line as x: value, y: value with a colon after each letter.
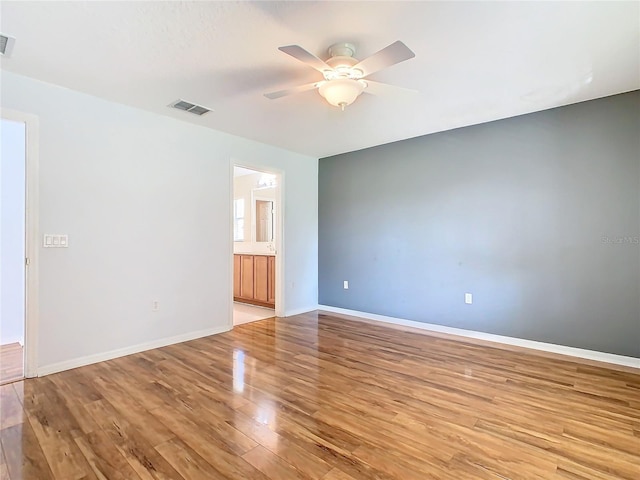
x: 190, y: 107
x: 6, y: 44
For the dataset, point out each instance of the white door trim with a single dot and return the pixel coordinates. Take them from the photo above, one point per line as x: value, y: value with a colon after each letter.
x: 280, y: 240
x: 31, y: 237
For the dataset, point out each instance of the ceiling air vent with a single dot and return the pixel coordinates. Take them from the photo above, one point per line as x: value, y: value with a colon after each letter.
x: 190, y: 107
x: 6, y: 44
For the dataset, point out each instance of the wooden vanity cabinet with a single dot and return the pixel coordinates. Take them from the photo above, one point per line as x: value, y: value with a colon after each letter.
x: 246, y: 276
x: 260, y: 278
x: 254, y: 279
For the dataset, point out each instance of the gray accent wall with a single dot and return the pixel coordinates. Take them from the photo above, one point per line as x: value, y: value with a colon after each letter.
x: 537, y: 216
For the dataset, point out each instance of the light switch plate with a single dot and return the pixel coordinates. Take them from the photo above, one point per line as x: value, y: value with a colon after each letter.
x: 52, y: 240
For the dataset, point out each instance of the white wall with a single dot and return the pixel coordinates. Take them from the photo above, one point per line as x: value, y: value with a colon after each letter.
x: 12, y: 231
x: 146, y: 202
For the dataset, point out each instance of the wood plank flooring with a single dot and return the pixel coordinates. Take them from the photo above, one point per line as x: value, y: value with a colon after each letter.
x: 317, y: 397
x: 11, y: 360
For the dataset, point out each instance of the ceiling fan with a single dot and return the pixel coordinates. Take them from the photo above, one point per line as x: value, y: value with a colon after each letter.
x: 343, y: 74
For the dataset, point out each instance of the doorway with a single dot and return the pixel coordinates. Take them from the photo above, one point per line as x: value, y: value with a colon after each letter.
x: 257, y: 239
x: 12, y: 249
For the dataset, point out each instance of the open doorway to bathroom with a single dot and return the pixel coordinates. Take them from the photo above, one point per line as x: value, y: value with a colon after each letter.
x: 12, y: 249
x: 256, y: 227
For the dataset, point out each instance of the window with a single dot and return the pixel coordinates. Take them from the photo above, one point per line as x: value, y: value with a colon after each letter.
x: 238, y: 220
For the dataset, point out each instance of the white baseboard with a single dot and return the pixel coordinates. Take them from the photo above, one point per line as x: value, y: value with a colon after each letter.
x: 299, y: 311
x: 519, y: 342
x: 121, y: 352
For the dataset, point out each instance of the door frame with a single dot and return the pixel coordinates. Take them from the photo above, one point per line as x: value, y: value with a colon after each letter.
x: 31, y: 319
x: 280, y: 239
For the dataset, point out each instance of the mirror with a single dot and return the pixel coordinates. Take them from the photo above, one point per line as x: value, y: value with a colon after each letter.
x: 265, y: 220
x: 254, y: 210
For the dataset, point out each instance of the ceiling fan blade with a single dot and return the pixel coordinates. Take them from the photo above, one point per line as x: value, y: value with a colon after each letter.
x: 290, y: 91
x: 377, y: 88
x: 301, y: 54
x: 395, y: 53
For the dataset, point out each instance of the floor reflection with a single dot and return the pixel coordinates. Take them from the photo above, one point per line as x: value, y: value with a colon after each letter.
x: 266, y: 414
x: 238, y: 371
x: 245, y: 368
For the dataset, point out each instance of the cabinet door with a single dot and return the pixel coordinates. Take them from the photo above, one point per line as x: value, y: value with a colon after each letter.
x: 271, y: 280
x: 246, y: 276
x: 260, y: 277
x: 236, y: 276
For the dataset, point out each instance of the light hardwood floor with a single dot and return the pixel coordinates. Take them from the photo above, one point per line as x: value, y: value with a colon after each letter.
x: 11, y: 363
x: 320, y: 397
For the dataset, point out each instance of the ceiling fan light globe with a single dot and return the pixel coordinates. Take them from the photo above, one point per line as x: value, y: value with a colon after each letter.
x: 341, y: 91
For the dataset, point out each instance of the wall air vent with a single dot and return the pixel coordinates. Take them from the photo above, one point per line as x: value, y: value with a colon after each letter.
x: 190, y: 107
x: 6, y: 45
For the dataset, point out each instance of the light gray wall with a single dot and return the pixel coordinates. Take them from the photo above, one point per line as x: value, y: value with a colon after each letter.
x: 525, y: 213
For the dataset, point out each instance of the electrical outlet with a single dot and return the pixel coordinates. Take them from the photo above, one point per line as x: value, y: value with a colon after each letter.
x: 345, y: 284
x: 468, y: 298
x: 155, y: 306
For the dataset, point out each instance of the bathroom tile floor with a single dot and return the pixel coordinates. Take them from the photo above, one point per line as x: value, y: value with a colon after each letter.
x: 244, y: 313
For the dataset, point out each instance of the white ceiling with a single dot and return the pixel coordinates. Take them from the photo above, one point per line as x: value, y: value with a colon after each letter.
x: 475, y: 61
x: 241, y: 171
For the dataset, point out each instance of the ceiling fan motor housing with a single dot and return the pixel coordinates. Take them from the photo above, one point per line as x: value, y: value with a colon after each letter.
x: 342, y: 49
x: 342, y: 68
